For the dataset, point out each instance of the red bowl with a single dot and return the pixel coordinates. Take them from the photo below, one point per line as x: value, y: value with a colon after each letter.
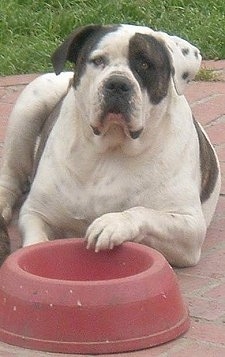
x: 60, y: 297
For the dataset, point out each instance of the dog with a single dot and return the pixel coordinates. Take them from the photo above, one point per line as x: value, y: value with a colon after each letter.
x: 111, y: 150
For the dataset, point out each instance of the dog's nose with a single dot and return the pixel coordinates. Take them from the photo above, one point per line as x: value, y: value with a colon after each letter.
x: 118, y: 85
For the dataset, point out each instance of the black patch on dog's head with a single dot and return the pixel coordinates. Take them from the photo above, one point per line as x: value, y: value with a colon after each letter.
x: 77, y: 47
x: 150, y: 63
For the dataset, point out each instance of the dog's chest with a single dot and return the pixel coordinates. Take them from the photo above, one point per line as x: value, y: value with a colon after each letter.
x: 106, y: 186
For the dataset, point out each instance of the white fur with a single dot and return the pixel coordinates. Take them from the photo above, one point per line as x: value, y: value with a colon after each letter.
x: 111, y: 187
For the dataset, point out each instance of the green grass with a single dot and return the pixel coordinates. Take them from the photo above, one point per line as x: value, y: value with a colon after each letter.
x: 207, y: 75
x: 30, y: 30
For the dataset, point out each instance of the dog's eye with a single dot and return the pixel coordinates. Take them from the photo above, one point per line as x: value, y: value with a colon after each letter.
x: 144, y: 65
x: 98, y: 61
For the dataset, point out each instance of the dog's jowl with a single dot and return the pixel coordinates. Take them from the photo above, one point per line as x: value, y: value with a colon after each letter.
x: 111, y: 150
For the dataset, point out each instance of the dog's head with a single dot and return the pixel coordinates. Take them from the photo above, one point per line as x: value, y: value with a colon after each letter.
x: 124, y: 73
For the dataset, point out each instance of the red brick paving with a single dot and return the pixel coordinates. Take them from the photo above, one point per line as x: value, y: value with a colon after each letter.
x: 203, y: 286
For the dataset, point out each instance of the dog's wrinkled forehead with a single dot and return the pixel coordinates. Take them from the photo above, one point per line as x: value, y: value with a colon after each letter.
x: 164, y: 54
x: 115, y: 43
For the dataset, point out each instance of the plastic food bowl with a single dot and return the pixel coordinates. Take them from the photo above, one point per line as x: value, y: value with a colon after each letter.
x: 60, y: 297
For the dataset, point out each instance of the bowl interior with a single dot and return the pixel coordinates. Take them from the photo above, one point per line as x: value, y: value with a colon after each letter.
x: 72, y: 261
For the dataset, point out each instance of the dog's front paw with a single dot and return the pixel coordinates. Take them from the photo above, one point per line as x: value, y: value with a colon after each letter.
x: 111, y: 230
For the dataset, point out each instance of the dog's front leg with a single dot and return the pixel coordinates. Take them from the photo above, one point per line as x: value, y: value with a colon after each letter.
x: 178, y: 237
x: 34, y: 229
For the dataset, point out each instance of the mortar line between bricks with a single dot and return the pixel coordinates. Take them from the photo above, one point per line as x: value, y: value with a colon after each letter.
x: 199, y: 275
x: 212, y: 283
x: 3, y: 86
x: 219, y: 146
x: 220, y: 246
x: 215, y: 121
x: 206, y: 343
x: 193, y: 275
x: 199, y: 292
x: 205, y: 99
x: 203, y: 319
x: 176, y: 348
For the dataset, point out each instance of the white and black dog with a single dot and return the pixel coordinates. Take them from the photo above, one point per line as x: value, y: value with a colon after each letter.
x: 112, y: 150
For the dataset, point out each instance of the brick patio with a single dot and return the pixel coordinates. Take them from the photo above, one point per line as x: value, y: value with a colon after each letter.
x: 203, y: 286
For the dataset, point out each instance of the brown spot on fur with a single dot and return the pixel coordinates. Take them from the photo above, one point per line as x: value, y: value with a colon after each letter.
x: 208, y: 164
x: 4, y: 241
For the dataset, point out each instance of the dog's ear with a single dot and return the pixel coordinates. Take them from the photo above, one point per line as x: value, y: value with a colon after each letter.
x: 71, y: 47
x: 185, y: 58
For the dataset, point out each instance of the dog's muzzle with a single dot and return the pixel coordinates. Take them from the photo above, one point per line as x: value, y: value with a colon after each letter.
x: 117, y: 92
x: 116, y: 106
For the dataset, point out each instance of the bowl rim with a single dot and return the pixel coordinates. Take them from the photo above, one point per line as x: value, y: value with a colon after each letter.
x: 13, y: 261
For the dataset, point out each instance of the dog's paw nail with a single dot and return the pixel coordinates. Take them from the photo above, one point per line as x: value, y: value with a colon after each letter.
x: 88, y: 246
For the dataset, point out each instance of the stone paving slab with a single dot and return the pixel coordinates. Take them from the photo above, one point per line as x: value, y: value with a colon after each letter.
x: 203, y: 286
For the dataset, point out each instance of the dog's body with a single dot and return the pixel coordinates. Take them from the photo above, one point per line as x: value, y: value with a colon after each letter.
x: 121, y: 157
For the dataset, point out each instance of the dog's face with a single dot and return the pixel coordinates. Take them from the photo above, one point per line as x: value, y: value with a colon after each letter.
x: 125, y: 75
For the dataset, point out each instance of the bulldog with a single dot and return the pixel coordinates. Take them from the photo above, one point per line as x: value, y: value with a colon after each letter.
x: 111, y: 151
